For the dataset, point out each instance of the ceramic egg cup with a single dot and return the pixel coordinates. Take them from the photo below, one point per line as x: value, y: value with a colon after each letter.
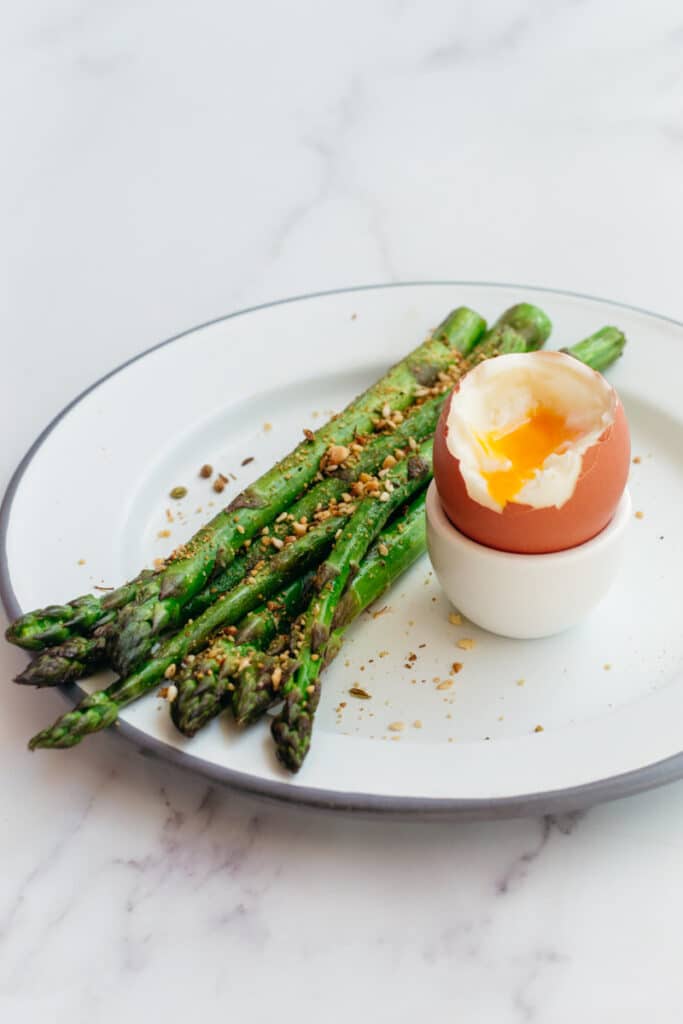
x: 524, y: 596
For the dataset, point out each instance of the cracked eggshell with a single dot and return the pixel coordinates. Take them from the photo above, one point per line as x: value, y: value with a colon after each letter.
x: 526, y: 530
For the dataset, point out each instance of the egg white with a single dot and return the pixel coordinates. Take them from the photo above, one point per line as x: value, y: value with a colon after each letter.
x: 500, y: 392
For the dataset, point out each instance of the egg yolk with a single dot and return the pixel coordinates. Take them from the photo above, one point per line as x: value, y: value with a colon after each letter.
x: 524, y: 447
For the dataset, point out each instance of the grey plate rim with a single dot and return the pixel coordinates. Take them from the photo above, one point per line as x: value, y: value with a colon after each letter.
x: 560, y: 801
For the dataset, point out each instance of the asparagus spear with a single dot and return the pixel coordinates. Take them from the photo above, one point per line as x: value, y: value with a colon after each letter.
x: 395, y: 550
x: 204, y: 682
x: 71, y: 660
x: 520, y: 328
x: 599, y: 350
x: 55, y: 624
x: 65, y: 663
x: 100, y: 709
x: 292, y: 728
x: 235, y: 668
x: 217, y: 543
x: 46, y: 627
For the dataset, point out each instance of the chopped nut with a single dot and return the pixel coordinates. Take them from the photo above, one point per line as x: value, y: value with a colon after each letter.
x: 466, y: 644
x: 160, y: 534
x: 455, y: 619
x: 308, y: 434
x: 206, y: 471
x: 170, y: 672
x: 171, y: 693
x: 337, y: 453
x: 384, y: 496
x: 81, y: 561
x: 276, y: 677
x: 456, y: 667
x: 219, y: 485
x: 277, y: 542
x: 412, y: 443
x: 389, y: 462
x: 640, y: 515
x: 445, y: 685
x: 386, y: 410
x: 159, y: 564
x: 637, y: 459
x: 539, y: 728
x: 396, y: 726
x: 267, y: 427
x: 417, y: 724
x: 299, y: 529
x: 177, y: 493
x: 520, y: 682
x: 239, y: 528
x: 358, y: 691
x: 383, y: 550
x: 607, y: 666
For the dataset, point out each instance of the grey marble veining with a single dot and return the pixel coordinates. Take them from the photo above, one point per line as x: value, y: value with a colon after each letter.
x: 166, y: 163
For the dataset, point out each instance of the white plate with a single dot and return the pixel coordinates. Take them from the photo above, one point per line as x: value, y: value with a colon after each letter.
x: 608, y: 694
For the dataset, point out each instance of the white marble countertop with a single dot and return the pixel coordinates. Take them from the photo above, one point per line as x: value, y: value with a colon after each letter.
x: 165, y: 163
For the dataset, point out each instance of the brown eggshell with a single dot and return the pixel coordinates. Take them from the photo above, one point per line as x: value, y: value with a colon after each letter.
x: 536, y: 531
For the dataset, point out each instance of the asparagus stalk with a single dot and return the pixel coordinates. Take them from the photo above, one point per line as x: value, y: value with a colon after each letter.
x: 520, y: 328
x: 101, y: 704
x: 101, y: 709
x: 65, y: 663
x: 235, y: 668
x: 292, y: 728
x: 395, y: 550
x: 55, y: 624
x: 204, y: 682
x: 47, y: 627
x: 599, y: 350
x: 71, y: 660
x: 217, y: 543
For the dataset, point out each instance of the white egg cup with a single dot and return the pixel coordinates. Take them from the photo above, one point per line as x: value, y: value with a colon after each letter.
x: 524, y: 596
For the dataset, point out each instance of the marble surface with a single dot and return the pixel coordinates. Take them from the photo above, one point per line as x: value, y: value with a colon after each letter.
x: 164, y: 163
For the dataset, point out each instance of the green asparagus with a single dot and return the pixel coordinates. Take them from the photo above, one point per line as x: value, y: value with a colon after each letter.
x: 234, y: 668
x: 217, y: 543
x: 599, y: 350
x: 397, y: 547
x: 204, y: 682
x: 100, y: 709
x: 292, y: 728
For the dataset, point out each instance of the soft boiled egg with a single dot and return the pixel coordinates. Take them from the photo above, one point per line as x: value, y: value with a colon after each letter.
x: 531, y: 453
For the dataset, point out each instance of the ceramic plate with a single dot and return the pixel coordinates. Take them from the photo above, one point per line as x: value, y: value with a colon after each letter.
x: 607, y: 696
